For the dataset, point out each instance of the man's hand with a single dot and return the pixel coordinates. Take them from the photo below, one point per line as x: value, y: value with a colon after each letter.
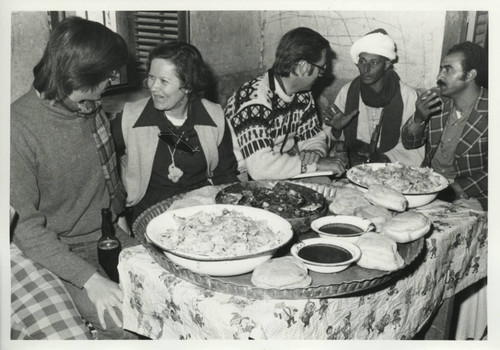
x: 331, y: 163
x: 338, y: 120
x: 468, y: 203
x: 105, y: 295
x: 427, y: 104
x: 309, y: 157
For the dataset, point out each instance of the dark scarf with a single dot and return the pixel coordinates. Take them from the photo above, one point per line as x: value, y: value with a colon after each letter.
x: 388, y: 98
x: 92, y: 110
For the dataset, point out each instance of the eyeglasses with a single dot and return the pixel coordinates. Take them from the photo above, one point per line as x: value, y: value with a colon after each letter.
x: 176, y: 141
x: 322, y: 69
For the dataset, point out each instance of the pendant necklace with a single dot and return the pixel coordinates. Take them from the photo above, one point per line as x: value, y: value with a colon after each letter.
x: 174, y: 173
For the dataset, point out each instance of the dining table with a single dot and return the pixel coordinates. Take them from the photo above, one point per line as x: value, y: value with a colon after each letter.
x: 161, y: 303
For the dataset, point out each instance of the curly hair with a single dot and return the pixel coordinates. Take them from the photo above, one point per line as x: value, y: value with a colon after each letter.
x: 190, y: 67
x: 475, y: 57
x: 296, y: 45
x: 79, y: 55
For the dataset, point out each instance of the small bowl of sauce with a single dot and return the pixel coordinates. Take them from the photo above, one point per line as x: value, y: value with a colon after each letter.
x: 344, y: 227
x: 326, y: 255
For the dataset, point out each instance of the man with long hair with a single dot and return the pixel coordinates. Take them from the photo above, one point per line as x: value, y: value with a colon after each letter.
x: 63, y: 166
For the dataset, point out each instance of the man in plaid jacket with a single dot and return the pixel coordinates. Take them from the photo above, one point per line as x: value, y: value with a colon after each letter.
x: 452, y: 121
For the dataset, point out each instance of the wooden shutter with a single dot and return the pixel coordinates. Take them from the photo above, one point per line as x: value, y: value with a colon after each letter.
x: 480, y: 35
x: 152, y: 28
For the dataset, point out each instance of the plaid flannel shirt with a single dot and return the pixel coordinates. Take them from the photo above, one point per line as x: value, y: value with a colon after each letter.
x: 41, y: 308
x: 471, y: 156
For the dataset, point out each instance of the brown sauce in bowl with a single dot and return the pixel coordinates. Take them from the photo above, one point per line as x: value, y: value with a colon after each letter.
x: 341, y: 229
x: 324, y: 253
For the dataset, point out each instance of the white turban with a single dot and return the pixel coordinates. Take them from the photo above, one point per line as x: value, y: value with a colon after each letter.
x: 375, y: 44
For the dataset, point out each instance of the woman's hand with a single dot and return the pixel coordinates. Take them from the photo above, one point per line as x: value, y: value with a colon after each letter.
x: 338, y: 120
x: 106, y: 295
x: 427, y: 104
x: 331, y: 163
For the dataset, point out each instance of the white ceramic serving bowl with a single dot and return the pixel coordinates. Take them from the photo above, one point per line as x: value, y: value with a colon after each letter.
x: 352, y: 248
x: 414, y: 199
x: 219, y: 266
x: 364, y: 225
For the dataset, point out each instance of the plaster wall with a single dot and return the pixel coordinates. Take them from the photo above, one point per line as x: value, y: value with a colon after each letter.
x: 230, y: 42
x: 30, y: 32
x: 239, y: 45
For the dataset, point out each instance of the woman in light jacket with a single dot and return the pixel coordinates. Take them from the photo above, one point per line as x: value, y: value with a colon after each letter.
x: 174, y: 141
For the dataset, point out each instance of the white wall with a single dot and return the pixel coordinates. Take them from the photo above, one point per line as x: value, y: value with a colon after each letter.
x: 30, y: 32
x: 418, y: 36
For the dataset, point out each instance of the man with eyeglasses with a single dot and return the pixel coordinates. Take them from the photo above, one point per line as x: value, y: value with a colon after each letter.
x: 369, y: 111
x: 275, y: 127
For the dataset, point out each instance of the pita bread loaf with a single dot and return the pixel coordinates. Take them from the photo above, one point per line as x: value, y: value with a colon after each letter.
x: 205, y: 195
x: 375, y: 213
x: 200, y: 196
x: 281, y: 273
x: 406, y: 227
x: 346, y: 200
x: 378, y: 252
x: 386, y: 197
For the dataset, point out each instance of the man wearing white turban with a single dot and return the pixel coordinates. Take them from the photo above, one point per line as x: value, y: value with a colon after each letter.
x: 370, y: 110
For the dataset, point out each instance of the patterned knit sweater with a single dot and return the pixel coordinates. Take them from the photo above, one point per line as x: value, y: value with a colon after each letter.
x: 267, y: 140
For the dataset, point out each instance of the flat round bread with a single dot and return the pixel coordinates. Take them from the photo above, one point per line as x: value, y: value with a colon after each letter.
x: 205, y: 195
x: 406, y: 227
x: 347, y: 200
x: 375, y: 213
x: 386, y: 197
x: 281, y: 273
x: 184, y: 203
x: 378, y: 252
x: 200, y: 196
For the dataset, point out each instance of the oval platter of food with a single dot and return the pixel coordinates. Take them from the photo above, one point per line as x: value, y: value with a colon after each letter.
x: 297, y: 204
x: 403, y: 178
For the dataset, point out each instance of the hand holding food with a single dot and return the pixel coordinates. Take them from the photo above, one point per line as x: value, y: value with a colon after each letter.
x: 427, y: 104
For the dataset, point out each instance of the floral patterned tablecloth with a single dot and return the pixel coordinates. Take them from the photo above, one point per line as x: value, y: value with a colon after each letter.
x: 160, y: 305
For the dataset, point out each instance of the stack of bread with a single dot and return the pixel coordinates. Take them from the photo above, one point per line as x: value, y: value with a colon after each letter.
x: 387, y: 209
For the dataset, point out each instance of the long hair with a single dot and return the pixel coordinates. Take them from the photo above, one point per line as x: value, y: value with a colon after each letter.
x: 476, y: 58
x: 298, y: 44
x: 189, y: 65
x: 79, y: 55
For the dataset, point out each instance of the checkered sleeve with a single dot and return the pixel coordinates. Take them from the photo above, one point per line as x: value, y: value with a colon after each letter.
x: 416, y: 139
x: 41, y: 308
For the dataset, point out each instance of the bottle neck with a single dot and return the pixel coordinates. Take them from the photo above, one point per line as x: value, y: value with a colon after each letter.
x: 107, y: 227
